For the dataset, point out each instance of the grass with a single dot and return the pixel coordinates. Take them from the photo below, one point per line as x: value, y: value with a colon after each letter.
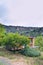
x: 17, y: 57
x: 38, y: 61
x: 5, y: 53
x: 41, y: 57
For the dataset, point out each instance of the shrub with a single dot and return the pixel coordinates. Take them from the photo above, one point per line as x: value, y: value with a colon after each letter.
x: 2, y: 39
x: 22, y: 40
x: 30, y: 52
x: 39, y: 41
x: 15, y: 40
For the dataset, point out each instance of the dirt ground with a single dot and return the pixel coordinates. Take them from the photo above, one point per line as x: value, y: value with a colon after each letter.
x: 17, y: 61
x: 20, y: 60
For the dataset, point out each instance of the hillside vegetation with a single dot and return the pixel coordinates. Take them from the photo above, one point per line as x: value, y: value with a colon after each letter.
x: 28, y: 31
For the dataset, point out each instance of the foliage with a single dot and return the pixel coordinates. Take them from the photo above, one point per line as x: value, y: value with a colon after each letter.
x: 15, y: 40
x: 41, y: 49
x: 39, y: 41
x: 2, y: 29
x: 2, y: 34
x: 30, y: 52
x: 2, y: 39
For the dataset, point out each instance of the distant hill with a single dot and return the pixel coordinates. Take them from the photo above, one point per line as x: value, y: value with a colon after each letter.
x: 28, y: 31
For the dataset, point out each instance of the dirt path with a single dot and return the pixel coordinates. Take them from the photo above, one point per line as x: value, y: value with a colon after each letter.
x: 17, y: 61
x: 6, y: 61
x: 23, y: 61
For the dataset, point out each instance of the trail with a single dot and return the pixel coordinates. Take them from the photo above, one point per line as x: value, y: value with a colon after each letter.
x: 17, y: 61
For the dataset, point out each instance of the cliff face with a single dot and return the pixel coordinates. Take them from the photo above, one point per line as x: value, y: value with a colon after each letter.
x: 28, y: 31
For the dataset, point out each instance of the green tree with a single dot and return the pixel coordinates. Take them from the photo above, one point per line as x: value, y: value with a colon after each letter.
x: 2, y: 29
x: 2, y: 34
x: 39, y: 41
x: 15, y: 40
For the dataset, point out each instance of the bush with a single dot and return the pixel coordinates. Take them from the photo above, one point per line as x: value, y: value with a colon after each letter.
x: 39, y: 41
x: 16, y: 40
x: 2, y: 39
x: 30, y: 52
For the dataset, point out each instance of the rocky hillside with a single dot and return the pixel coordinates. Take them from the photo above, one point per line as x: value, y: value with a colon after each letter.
x: 28, y: 31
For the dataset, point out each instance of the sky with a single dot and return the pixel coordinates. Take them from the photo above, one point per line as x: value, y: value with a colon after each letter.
x: 27, y: 13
